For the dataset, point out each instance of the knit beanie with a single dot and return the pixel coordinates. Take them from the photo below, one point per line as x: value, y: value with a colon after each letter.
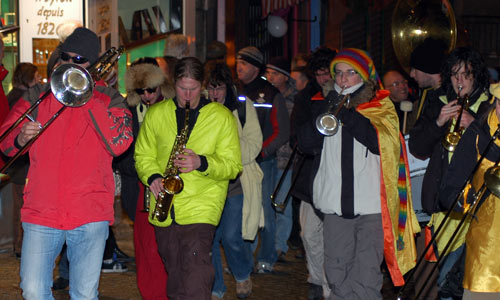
x: 83, y: 42
x: 279, y: 64
x: 252, y: 56
x: 428, y: 56
x: 359, y: 60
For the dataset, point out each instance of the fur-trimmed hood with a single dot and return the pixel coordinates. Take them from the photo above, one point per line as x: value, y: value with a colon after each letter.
x: 364, y: 94
x: 146, y: 76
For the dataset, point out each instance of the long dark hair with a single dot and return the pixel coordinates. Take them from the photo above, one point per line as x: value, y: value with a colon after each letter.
x: 473, y: 63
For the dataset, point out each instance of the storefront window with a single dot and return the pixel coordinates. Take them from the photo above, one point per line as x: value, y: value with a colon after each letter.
x: 10, y: 30
x: 140, y: 20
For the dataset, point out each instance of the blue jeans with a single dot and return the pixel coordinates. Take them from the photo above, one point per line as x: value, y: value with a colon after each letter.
x: 41, y: 246
x: 64, y: 265
x: 267, y: 251
x: 446, y: 266
x: 238, y: 254
x: 283, y: 218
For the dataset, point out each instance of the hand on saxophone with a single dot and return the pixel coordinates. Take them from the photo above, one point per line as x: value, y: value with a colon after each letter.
x: 28, y: 131
x: 156, y: 187
x: 187, y: 161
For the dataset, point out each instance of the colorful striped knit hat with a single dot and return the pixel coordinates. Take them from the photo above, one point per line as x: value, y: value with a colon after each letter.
x: 361, y: 62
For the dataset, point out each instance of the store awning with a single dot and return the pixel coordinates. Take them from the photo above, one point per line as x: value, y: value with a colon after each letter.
x: 269, y: 6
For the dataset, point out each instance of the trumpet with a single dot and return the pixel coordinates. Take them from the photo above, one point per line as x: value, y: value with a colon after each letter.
x: 327, y: 123
x: 491, y: 184
x: 72, y: 85
x: 452, y: 137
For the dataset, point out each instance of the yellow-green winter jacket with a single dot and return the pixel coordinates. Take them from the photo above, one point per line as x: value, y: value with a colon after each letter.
x: 215, y: 136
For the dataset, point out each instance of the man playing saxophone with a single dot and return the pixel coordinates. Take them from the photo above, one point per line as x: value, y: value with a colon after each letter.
x: 69, y: 191
x: 205, y: 136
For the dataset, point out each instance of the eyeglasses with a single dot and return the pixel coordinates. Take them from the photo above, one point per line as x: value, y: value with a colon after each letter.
x: 76, y: 59
x: 217, y: 89
x: 398, y: 83
x: 347, y: 74
x: 149, y: 90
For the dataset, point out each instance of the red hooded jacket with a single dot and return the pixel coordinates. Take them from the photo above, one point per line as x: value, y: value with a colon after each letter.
x: 70, y: 181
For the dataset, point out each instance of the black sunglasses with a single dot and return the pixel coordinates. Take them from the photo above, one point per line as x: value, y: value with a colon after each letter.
x: 76, y: 59
x: 149, y: 90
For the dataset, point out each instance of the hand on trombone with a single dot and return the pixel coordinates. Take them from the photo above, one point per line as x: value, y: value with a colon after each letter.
x: 28, y: 131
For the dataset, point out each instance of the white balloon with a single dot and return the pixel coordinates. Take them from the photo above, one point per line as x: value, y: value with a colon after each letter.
x: 277, y: 26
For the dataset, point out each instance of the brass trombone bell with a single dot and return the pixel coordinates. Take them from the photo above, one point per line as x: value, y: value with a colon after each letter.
x: 492, y: 180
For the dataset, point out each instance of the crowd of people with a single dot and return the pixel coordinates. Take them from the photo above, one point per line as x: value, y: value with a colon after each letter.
x: 201, y: 153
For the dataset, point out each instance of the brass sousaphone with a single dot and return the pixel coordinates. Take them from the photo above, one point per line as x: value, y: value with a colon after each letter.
x: 415, y: 20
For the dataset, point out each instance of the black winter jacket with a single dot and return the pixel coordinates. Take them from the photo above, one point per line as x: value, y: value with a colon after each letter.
x: 425, y: 142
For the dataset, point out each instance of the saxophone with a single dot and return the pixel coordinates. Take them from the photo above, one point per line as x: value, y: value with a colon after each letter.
x: 172, y: 182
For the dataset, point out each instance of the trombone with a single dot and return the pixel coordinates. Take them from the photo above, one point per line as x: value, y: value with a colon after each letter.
x: 491, y: 183
x: 280, y: 207
x: 72, y: 85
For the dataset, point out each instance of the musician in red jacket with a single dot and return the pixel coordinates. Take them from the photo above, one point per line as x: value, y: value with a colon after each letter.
x: 70, y: 188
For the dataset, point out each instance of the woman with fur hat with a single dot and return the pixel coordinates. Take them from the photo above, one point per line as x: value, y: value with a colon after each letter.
x: 146, y: 85
x: 356, y: 182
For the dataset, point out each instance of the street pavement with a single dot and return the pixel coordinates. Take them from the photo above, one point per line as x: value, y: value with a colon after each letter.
x: 289, y: 282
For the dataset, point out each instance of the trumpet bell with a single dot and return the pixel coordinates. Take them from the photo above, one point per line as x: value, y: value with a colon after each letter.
x: 451, y: 140
x: 173, y: 184
x: 327, y: 124
x: 72, y: 85
x: 492, y: 180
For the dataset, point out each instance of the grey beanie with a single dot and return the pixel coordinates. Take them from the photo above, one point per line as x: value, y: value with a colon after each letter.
x: 279, y: 64
x: 251, y: 55
x: 83, y: 42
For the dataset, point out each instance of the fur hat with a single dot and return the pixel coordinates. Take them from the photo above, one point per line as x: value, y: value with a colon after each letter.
x: 143, y: 76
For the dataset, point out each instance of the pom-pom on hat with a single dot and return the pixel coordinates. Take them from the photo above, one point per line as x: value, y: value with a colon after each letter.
x: 360, y: 61
x: 83, y: 42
